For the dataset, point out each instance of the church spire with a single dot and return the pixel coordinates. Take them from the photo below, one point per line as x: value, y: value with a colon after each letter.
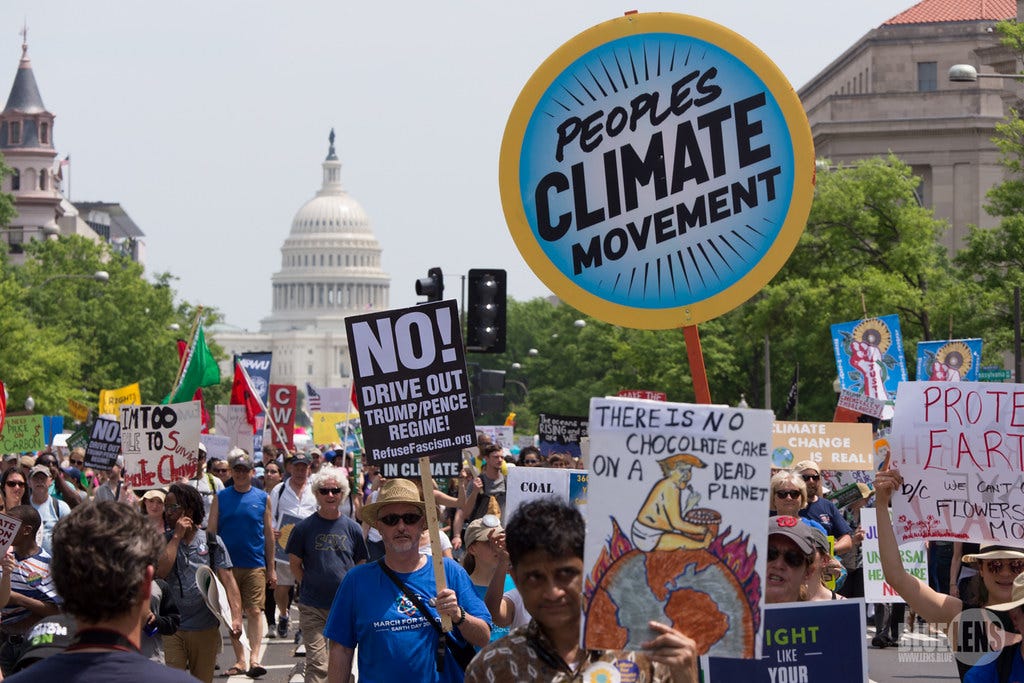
x: 25, y: 97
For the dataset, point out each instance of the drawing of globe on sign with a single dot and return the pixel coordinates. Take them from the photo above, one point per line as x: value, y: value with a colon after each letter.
x: 657, y: 170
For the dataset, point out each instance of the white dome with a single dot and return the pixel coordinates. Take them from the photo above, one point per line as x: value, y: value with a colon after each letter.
x: 333, y: 213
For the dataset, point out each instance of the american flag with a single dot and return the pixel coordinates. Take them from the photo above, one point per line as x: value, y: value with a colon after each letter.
x: 327, y: 399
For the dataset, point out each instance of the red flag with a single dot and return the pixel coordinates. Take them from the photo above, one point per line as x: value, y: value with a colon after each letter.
x: 242, y: 394
x: 355, y: 403
x: 204, y: 416
x: 3, y: 406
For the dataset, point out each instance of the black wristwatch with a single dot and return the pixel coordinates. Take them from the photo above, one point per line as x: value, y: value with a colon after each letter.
x: 462, y: 616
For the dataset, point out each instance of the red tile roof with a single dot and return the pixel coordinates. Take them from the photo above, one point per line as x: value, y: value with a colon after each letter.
x: 934, y: 11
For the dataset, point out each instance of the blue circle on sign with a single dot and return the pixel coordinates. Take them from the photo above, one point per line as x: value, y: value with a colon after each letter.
x: 656, y: 170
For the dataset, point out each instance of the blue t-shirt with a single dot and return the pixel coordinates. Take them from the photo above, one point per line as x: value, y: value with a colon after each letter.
x: 328, y: 548
x: 988, y: 673
x: 396, y: 643
x: 240, y: 526
x: 481, y: 591
x: 824, y: 512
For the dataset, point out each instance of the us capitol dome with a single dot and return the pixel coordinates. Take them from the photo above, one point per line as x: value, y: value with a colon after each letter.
x: 330, y: 269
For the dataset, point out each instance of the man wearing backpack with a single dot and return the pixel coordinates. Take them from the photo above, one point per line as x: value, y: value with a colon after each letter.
x: 50, y: 509
x: 292, y: 498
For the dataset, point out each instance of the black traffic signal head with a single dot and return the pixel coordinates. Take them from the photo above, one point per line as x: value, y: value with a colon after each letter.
x: 431, y: 286
x: 485, y: 311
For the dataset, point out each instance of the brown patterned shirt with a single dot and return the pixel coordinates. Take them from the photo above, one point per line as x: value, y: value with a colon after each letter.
x: 526, y: 654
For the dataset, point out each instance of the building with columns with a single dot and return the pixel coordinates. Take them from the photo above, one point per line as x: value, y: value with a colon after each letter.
x: 330, y: 269
x: 890, y: 92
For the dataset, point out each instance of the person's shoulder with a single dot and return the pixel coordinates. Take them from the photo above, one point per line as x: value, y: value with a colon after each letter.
x: 497, y: 653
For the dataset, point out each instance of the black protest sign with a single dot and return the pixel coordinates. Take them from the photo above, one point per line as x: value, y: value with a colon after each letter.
x: 444, y: 466
x: 560, y: 433
x: 104, y: 444
x: 410, y: 376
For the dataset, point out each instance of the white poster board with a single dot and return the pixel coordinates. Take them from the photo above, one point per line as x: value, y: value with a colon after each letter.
x: 914, y: 556
x: 160, y: 443
x: 529, y: 483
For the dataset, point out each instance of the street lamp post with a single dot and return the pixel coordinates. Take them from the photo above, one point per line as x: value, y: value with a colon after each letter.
x: 965, y: 73
x: 98, y: 276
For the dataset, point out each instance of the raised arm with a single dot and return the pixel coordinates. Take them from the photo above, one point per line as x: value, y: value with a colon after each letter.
x: 931, y: 605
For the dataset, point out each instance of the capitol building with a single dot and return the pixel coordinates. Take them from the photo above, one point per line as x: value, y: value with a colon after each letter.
x: 330, y: 269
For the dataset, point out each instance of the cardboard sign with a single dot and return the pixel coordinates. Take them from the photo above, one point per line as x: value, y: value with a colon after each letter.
x: 411, y: 382
x: 804, y: 641
x: 869, y: 357
x: 111, y: 400
x: 283, y: 399
x: 217, y: 446
x: 677, y: 523
x: 656, y: 171
x: 500, y: 434
x: 833, y: 445
x: 288, y: 523
x: 960, y: 449
x: 529, y: 483
x: 23, y: 434
x: 560, y: 433
x: 864, y: 405
x: 160, y: 443
x: 949, y: 360
x: 231, y: 422
x: 104, y: 444
x: 914, y: 555
x: 8, y: 530
x: 79, y: 411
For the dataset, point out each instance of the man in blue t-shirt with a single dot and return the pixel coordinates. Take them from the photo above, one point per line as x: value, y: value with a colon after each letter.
x: 396, y: 640
x: 824, y: 511
x: 241, y: 516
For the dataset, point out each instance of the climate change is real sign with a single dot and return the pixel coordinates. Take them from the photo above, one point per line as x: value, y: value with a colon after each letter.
x: 657, y: 170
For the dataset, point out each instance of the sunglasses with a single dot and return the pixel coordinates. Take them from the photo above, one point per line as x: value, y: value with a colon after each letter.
x: 996, y: 566
x: 78, y: 463
x: 409, y: 518
x: 811, y: 477
x: 15, y: 484
x: 793, y: 558
x: 337, y: 492
x: 793, y: 495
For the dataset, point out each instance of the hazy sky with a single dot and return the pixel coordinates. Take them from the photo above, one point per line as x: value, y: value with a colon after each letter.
x: 208, y: 121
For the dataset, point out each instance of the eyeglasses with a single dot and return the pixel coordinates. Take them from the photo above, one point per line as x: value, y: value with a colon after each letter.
x: 793, y: 558
x: 811, y: 477
x: 337, y: 492
x: 793, y: 495
x: 15, y: 484
x: 996, y: 566
x: 409, y: 518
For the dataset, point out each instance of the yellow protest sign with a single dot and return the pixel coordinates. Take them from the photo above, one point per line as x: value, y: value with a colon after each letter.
x: 79, y: 411
x: 323, y: 426
x: 833, y: 445
x: 111, y: 400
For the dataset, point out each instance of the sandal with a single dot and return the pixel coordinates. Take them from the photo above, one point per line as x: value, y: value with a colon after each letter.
x: 233, y: 671
x: 256, y: 672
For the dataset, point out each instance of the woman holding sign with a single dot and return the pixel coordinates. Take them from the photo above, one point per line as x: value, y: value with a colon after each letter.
x: 997, y: 568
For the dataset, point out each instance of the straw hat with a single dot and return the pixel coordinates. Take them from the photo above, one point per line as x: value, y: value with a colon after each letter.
x: 393, y: 491
x: 994, y: 551
x: 1016, y: 597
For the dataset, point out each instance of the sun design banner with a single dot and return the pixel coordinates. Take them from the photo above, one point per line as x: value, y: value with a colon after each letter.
x: 677, y: 519
x: 949, y: 360
x: 869, y: 357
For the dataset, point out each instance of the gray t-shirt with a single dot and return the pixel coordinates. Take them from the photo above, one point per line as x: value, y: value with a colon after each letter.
x: 195, y: 615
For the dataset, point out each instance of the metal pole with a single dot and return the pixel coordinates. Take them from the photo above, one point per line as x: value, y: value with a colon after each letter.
x: 1016, y: 336
x: 767, y: 373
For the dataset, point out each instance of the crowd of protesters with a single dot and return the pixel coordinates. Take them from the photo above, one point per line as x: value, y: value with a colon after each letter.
x: 349, y: 551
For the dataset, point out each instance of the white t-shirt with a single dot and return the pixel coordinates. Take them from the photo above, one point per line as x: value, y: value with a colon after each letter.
x: 284, y: 501
x: 522, y: 617
x: 446, y: 544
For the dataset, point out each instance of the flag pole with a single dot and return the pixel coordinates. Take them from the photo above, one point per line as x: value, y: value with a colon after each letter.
x: 263, y: 407
x: 188, y: 351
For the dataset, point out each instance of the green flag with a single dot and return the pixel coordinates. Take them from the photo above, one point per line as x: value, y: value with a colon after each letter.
x: 200, y: 370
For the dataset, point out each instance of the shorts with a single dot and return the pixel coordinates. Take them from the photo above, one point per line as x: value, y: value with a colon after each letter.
x: 252, y: 585
x: 284, y: 573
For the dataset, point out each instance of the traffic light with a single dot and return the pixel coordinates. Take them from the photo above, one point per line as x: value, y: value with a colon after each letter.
x: 485, y: 321
x: 431, y: 286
